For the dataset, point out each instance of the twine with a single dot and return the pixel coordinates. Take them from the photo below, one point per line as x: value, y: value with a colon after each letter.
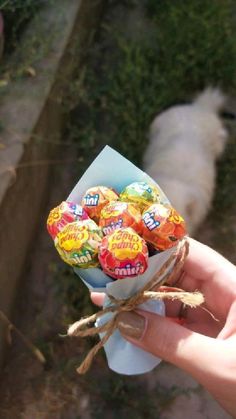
x: 81, y: 328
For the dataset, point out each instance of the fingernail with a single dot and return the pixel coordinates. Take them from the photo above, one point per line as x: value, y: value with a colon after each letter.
x: 131, y: 324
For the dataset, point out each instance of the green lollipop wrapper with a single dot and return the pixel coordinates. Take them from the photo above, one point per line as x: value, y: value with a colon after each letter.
x: 78, y: 243
x: 142, y: 194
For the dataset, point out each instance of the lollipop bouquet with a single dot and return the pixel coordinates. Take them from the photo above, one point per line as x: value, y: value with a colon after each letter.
x: 119, y: 232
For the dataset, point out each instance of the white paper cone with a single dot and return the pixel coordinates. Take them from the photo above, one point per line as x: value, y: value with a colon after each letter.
x: 113, y: 170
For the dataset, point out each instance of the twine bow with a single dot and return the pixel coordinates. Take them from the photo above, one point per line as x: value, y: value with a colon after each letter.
x: 165, y: 274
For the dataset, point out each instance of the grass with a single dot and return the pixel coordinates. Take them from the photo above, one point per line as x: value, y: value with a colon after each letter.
x: 225, y: 195
x: 17, y: 14
x: 76, y: 298
x: 129, y: 81
x: 121, y: 396
x: 25, y: 44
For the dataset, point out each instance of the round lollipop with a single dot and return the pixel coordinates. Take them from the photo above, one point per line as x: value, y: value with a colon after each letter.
x: 162, y: 226
x: 118, y: 215
x: 142, y: 194
x: 78, y: 243
x: 65, y: 213
x: 123, y: 254
x: 96, y: 198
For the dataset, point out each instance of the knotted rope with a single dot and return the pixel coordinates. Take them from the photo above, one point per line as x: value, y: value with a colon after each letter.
x: 165, y: 274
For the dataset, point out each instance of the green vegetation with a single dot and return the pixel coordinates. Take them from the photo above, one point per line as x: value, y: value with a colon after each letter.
x: 76, y: 296
x: 186, y: 46
x: 17, y: 14
x: 222, y: 216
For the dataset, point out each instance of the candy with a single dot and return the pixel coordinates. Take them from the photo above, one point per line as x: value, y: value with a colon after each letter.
x: 123, y: 253
x: 78, y: 243
x: 96, y: 198
x: 63, y: 214
x: 118, y: 215
x: 141, y: 193
x: 162, y: 226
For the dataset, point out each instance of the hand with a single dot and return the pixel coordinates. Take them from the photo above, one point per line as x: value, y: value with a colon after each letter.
x: 202, y: 346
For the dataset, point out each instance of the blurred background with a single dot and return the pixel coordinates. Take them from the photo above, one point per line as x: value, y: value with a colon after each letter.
x: 75, y: 76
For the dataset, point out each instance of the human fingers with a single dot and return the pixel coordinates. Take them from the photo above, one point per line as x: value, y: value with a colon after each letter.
x: 204, y: 263
x: 170, y: 341
x: 97, y: 298
x: 193, y: 319
x: 213, y: 275
x: 211, y: 362
x: 229, y: 328
x: 173, y: 308
x: 199, y: 267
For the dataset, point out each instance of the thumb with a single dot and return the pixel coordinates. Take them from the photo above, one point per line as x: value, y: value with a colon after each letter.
x: 193, y: 352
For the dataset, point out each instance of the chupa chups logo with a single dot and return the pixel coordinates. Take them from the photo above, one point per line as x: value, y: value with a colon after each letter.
x: 124, y: 240
x: 112, y: 226
x: 149, y: 221
x: 121, y: 242
x: 134, y: 246
x: 125, y: 235
x: 129, y: 270
x: 72, y: 237
x: 91, y: 200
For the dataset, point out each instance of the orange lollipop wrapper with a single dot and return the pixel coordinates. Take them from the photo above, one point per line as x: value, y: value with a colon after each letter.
x: 162, y: 226
x: 96, y: 198
x: 119, y: 215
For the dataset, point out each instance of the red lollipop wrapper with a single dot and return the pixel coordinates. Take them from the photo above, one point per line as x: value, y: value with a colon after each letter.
x: 162, y: 226
x: 123, y: 254
x: 60, y: 216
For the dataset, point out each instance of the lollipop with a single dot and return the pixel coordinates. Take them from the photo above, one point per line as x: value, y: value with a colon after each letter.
x: 142, y: 194
x: 119, y: 214
x: 78, y: 243
x: 96, y: 198
x: 63, y: 214
x: 162, y: 226
x: 123, y: 253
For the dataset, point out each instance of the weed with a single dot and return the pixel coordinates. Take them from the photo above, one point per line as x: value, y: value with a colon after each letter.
x: 17, y: 14
x: 76, y: 298
x: 128, y: 81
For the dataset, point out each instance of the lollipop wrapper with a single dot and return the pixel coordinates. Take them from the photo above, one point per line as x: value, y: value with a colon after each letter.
x: 113, y: 170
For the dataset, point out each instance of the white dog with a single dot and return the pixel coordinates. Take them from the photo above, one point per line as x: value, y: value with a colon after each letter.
x: 185, y: 142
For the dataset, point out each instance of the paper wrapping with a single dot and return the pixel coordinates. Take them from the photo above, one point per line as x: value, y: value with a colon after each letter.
x: 113, y: 170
